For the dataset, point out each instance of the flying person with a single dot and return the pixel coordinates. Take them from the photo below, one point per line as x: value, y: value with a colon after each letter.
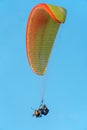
x: 37, y: 113
x: 44, y: 110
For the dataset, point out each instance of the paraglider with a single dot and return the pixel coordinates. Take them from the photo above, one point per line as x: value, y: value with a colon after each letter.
x: 42, y: 26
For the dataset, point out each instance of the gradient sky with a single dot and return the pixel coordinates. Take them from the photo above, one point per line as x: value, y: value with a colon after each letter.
x: 65, y: 82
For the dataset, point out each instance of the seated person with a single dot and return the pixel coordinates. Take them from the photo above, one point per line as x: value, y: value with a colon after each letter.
x: 37, y: 113
x: 44, y: 110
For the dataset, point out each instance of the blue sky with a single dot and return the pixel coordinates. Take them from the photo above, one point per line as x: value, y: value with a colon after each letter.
x: 65, y: 82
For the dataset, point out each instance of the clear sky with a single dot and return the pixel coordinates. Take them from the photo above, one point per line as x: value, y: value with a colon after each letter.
x: 65, y: 82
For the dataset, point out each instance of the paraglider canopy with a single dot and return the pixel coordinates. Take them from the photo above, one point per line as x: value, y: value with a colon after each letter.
x: 42, y: 26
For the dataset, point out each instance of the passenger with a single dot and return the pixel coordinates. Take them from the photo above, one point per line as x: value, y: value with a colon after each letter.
x: 37, y: 113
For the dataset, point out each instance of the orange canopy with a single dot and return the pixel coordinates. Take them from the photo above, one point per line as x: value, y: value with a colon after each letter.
x: 42, y: 26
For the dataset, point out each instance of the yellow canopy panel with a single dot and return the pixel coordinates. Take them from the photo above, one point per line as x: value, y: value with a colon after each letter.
x: 42, y: 26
